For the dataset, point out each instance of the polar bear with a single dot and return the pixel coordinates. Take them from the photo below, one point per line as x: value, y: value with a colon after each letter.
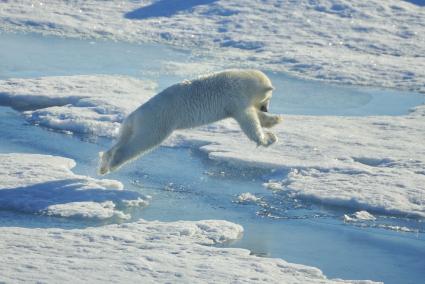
x: 241, y: 94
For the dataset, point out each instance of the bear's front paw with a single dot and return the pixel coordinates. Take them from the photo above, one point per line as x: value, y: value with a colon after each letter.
x: 269, y: 139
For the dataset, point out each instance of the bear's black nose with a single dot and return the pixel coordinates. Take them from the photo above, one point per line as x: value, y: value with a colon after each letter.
x: 264, y: 109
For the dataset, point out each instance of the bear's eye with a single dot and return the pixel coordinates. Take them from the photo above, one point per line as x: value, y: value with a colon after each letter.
x: 264, y: 108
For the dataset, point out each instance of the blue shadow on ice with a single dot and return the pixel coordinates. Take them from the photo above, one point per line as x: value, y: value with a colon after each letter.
x: 165, y: 8
x: 36, y: 198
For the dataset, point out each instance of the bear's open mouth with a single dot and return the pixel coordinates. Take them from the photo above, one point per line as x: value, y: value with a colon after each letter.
x: 264, y: 108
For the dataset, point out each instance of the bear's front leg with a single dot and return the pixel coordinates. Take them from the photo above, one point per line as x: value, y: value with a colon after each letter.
x: 250, y: 124
x: 268, y: 120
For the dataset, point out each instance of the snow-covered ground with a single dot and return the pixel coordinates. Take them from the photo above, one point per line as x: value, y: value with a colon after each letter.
x: 372, y: 163
x: 378, y: 43
x: 151, y: 252
x: 147, y: 252
x: 375, y: 163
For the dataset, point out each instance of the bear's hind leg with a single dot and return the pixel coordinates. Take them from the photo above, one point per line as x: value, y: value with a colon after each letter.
x: 124, y: 136
x: 145, y: 138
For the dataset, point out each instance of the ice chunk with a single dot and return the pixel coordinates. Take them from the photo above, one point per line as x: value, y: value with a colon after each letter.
x: 273, y: 185
x: 397, y: 228
x: 43, y: 184
x: 248, y: 197
x: 98, y: 210
x: 359, y: 216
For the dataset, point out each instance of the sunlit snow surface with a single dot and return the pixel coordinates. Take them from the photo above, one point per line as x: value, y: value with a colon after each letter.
x: 372, y: 42
x: 150, y: 252
x: 299, y: 200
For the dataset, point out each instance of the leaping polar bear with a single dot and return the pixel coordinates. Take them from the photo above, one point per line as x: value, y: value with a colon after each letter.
x: 241, y: 94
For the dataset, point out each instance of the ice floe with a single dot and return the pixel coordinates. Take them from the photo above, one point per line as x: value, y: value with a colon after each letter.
x: 247, y: 197
x: 273, y: 185
x: 359, y: 216
x: 368, y: 163
x: 365, y: 219
x: 80, y: 104
x: 376, y: 42
x: 397, y: 228
x: 147, y: 252
x: 42, y: 184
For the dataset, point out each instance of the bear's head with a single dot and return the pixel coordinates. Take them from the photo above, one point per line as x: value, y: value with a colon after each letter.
x: 257, y: 89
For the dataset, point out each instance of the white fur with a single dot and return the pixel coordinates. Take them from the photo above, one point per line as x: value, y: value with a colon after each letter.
x: 232, y: 93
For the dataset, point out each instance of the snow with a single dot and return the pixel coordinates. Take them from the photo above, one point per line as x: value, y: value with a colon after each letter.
x: 147, y: 252
x: 142, y: 251
x: 371, y: 163
x: 275, y: 186
x: 365, y: 219
x: 378, y: 43
x: 359, y: 216
x: 247, y: 197
x: 99, y: 210
x: 367, y: 163
x: 397, y: 228
x: 41, y: 184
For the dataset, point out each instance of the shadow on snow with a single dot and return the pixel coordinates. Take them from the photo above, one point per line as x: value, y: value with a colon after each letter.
x: 416, y: 2
x: 165, y: 8
x: 38, y: 197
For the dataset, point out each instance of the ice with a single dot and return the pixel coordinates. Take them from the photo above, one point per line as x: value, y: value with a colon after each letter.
x: 167, y: 65
x: 375, y: 43
x: 206, y: 191
x: 148, y: 252
x: 372, y: 163
x: 273, y: 185
x: 99, y: 210
x: 93, y: 105
x: 365, y: 219
x: 43, y: 184
x: 367, y: 163
x: 247, y: 197
x: 359, y: 216
x: 397, y: 228
x: 364, y: 215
